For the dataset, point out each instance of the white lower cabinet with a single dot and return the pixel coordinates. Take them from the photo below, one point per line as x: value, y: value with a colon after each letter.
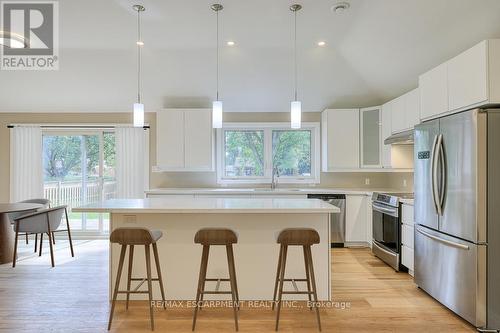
x: 407, y: 258
x: 369, y: 221
x: 356, y: 220
x: 407, y: 237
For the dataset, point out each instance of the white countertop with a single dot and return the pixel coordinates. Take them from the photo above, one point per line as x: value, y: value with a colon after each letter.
x: 278, y: 191
x: 209, y: 205
x: 407, y: 201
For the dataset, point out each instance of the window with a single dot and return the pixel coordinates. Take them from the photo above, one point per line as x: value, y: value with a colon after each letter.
x: 248, y: 153
x: 244, y: 153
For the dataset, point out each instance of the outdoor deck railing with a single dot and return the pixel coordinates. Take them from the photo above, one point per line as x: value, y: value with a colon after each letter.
x: 71, y: 193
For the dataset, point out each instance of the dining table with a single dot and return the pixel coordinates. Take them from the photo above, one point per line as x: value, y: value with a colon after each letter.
x: 6, y: 230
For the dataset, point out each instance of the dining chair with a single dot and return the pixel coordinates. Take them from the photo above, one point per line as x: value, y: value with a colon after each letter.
x: 44, y: 221
x: 45, y: 203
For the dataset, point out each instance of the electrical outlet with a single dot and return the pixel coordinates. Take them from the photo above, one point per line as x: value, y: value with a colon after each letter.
x: 130, y: 219
x: 404, y: 183
x: 367, y: 181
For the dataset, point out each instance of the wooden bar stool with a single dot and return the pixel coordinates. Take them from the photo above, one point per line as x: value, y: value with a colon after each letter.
x: 132, y: 237
x: 214, y: 236
x: 304, y: 237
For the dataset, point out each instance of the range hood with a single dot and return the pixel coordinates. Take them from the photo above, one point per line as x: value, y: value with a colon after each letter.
x: 403, y: 138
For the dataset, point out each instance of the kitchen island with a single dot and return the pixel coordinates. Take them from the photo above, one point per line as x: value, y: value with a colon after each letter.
x: 257, y: 222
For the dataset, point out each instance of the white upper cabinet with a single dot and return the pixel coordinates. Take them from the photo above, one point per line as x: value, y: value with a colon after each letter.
x: 433, y: 87
x: 198, y: 141
x: 412, y: 100
x: 405, y: 111
x: 467, y: 77
x: 340, y: 139
x: 386, y: 132
x: 398, y: 114
x: 370, y: 119
x: 170, y: 139
x: 471, y: 79
x: 184, y: 140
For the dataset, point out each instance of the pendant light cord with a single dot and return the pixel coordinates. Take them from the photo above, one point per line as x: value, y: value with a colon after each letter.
x: 217, y: 13
x: 139, y: 41
x: 295, y: 53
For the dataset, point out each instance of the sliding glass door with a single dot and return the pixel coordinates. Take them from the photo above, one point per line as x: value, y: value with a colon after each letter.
x: 79, y: 168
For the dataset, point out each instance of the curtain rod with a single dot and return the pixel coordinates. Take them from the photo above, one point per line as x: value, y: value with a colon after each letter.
x: 74, y: 126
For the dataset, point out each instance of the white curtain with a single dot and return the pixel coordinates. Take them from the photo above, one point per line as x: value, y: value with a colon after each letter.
x: 132, y: 162
x: 26, y: 163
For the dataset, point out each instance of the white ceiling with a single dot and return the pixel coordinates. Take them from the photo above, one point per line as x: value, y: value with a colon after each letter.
x: 375, y: 51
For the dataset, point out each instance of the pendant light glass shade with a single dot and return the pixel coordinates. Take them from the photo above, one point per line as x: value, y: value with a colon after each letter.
x: 217, y: 114
x: 138, y: 115
x: 295, y: 114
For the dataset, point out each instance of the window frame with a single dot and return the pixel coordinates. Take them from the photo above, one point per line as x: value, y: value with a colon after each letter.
x: 268, y: 128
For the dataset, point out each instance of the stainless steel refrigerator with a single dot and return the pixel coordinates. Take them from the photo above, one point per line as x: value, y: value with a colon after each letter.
x: 457, y: 214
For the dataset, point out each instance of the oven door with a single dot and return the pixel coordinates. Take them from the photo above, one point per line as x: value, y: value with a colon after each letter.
x: 386, y: 227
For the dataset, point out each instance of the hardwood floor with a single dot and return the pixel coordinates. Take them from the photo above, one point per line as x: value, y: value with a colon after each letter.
x: 73, y: 297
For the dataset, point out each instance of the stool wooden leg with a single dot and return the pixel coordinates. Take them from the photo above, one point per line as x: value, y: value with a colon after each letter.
x: 36, y: 242
x: 150, y: 287
x: 277, y: 277
x: 117, y: 284
x: 232, y: 280
x: 235, y: 279
x: 306, y: 264
x: 129, y: 276
x: 202, y: 294
x: 282, y: 278
x: 158, y: 272
x: 201, y: 281
x: 313, y: 282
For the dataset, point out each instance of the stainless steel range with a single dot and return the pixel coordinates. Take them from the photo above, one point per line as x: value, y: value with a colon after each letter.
x: 386, y: 242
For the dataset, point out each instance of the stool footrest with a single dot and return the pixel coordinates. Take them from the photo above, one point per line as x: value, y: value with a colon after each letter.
x: 217, y: 280
x: 145, y: 279
x: 133, y: 292
x: 297, y: 292
x: 216, y: 292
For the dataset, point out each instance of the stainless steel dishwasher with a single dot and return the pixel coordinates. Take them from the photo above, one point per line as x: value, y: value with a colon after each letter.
x: 337, y: 221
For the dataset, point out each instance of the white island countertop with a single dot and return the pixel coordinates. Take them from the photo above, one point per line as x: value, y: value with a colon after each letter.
x: 209, y: 205
x: 267, y: 191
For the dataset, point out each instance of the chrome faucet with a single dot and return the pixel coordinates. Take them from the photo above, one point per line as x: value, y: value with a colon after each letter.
x: 274, y: 179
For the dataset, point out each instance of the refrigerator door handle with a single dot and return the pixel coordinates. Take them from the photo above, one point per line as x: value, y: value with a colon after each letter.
x: 441, y: 240
x: 435, y: 169
x: 442, y: 185
x: 435, y: 192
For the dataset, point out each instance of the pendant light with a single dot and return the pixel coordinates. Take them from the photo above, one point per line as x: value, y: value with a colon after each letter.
x: 139, y: 107
x: 217, y: 104
x: 295, y: 105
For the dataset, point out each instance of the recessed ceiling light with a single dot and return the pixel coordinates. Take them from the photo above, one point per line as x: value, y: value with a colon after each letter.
x: 321, y: 43
x: 340, y: 7
x: 230, y: 43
